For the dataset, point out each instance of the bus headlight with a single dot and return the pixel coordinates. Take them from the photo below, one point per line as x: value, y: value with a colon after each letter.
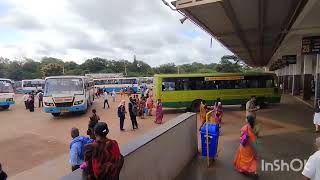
x: 48, y: 104
x: 78, y: 102
x: 9, y: 99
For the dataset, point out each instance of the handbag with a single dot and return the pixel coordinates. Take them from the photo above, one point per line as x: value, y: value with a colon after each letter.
x: 244, y: 138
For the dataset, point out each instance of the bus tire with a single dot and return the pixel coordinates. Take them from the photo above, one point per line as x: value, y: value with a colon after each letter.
x: 195, y: 106
x: 5, y: 107
x: 55, y: 114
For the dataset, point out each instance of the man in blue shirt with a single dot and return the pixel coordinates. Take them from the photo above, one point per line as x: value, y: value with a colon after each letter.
x: 76, y: 148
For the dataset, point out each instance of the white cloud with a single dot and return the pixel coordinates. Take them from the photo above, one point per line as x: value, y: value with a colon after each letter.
x: 80, y: 29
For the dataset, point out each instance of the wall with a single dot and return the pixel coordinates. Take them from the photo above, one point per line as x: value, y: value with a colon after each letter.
x: 160, y: 154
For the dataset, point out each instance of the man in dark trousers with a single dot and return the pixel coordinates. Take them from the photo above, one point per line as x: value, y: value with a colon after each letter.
x: 133, y: 109
x: 3, y: 175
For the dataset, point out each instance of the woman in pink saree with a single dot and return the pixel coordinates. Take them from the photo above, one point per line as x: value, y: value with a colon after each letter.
x: 218, y: 113
x: 159, y: 112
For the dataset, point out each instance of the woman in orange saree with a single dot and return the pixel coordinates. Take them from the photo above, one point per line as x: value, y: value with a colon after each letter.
x: 246, y: 157
x: 203, y: 111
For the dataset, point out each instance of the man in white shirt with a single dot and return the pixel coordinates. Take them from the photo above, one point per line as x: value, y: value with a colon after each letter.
x: 311, y: 170
x: 251, y: 107
x: 25, y: 98
x: 105, y: 97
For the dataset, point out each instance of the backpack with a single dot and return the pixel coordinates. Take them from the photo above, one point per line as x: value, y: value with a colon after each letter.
x: 84, y: 141
x: 244, y: 138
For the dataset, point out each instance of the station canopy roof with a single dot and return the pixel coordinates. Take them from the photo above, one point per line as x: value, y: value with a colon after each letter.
x: 251, y: 29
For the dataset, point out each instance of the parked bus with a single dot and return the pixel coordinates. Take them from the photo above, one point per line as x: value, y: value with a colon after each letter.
x: 187, y: 90
x: 110, y: 84
x: 67, y: 94
x: 6, y: 93
x: 145, y: 82
x: 32, y: 85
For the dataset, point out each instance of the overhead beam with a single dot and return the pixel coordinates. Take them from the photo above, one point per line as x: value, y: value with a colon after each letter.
x: 261, y: 19
x: 235, y: 23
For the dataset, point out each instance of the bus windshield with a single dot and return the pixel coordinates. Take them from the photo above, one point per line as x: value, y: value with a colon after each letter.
x: 32, y: 84
x: 5, y: 87
x: 63, y: 86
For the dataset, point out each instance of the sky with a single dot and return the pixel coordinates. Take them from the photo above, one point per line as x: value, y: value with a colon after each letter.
x: 76, y: 30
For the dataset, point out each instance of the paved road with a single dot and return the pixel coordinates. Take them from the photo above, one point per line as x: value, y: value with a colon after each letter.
x: 288, y: 135
x: 35, y: 145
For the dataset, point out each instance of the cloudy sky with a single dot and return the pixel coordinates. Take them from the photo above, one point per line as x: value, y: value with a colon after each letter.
x: 80, y: 29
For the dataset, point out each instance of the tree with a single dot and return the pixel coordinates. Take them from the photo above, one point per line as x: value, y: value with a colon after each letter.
x: 169, y: 68
x: 227, y: 66
x: 52, y: 69
x: 14, y: 70
x: 95, y: 65
x: 30, y: 69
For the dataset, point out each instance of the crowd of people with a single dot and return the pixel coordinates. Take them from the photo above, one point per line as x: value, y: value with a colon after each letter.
x: 95, y: 153
x: 29, y: 100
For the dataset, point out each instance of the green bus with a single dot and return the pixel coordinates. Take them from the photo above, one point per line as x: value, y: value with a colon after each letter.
x: 188, y: 90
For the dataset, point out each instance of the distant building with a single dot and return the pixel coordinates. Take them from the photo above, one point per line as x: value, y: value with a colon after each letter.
x: 104, y: 75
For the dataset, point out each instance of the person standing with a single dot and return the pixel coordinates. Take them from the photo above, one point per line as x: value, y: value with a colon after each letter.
x: 25, y: 100
x: 245, y: 160
x: 103, y: 158
x: 105, y: 97
x: 150, y: 105
x: 133, y: 109
x: 218, y: 112
x: 40, y: 98
x: 77, y: 148
x: 122, y: 113
x: 251, y: 107
x: 316, y: 117
x: 94, y: 115
x: 3, y: 175
x: 113, y: 94
x: 159, y: 112
x: 121, y: 93
x: 311, y: 170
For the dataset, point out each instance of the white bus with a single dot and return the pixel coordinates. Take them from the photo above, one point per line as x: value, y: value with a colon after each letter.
x: 67, y: 94
x: 145, y: 82
x: 6, y: 93
x: 110, y: 84
x: 32, y: 85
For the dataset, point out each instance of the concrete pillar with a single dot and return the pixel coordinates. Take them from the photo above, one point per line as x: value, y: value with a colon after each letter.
x: 285, y: 78
x: 307, y: 77
x: 296, y: 83
x: 290, y: 78
x: 317, y: 81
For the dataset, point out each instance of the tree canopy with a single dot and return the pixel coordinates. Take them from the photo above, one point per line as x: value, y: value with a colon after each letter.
x: 48, y: 66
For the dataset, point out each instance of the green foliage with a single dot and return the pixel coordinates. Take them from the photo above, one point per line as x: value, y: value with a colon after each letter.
x: 52, y: 69
x: 49, y: 66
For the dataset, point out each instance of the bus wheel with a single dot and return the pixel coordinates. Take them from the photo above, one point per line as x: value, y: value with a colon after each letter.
x: 5, y: 107
x: 56, y: 114
x: 195, y: 106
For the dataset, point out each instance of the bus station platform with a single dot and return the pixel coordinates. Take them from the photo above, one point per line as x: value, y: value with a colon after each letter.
x: 287, y: 135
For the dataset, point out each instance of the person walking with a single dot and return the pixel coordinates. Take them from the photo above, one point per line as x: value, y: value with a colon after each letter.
x: 77, y: 148
x: 103, y: 158
x: 218, y: 112
x: 142, y: 105
x: 94, y: 115
x: 3, y: 175
x: 133, y: 109
x: 122, y: 113
x: 245, y: 160
x: 105, y: 97
x: 113, y: 94
x: 40, y: 98
x: 311, y: 169
x: 316, y: 117
x: 251, y: 107
x: 25, y: 98
x: 150, y: 105
x: 203, y: 111
x: 159, y: 112
x: 121, y: 93
x: 31, y: 102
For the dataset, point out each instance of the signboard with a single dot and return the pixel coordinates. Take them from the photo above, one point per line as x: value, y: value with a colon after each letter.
x: 289, y: 59
x: 221, y: 78
x: 311, y: 45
